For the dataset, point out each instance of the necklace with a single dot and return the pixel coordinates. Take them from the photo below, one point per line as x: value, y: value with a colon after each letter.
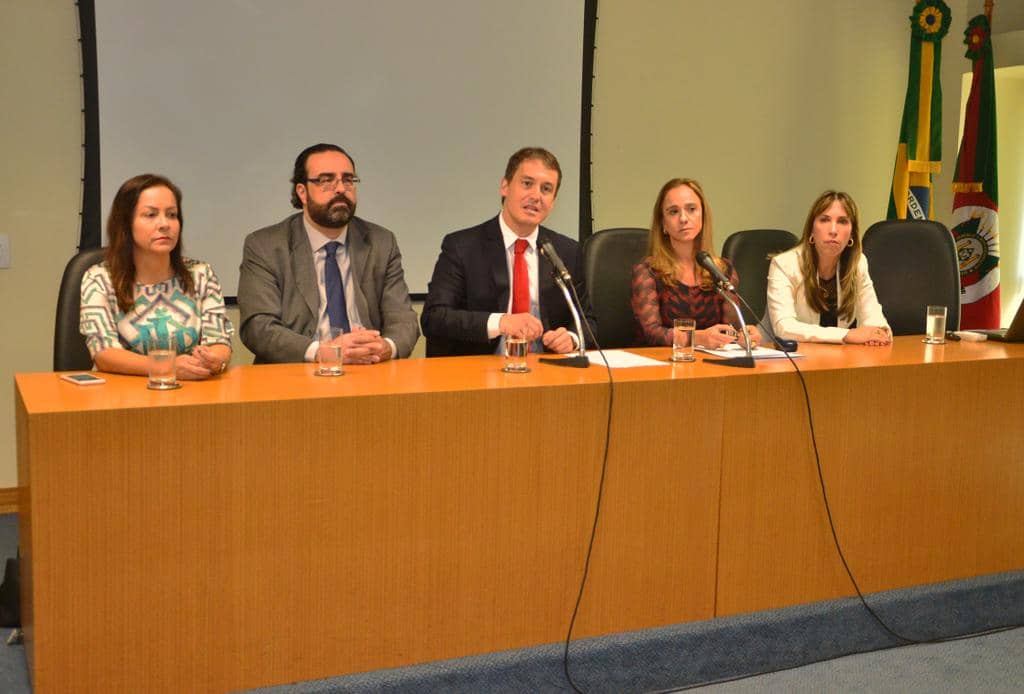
x: 829, y: 286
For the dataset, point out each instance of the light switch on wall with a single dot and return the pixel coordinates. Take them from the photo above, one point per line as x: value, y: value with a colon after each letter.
x: 5, y: 251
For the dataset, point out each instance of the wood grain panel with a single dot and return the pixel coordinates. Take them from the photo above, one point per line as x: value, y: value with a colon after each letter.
x: 271, y: 526
x: 366, y: 532
x: 774, y: 546
x: 654, y: 558
x: 925, y: 482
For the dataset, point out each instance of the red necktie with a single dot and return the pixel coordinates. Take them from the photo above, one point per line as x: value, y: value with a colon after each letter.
x: 520, y: 279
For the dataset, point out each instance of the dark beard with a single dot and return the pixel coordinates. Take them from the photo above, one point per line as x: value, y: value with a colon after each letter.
x: 331, y: 217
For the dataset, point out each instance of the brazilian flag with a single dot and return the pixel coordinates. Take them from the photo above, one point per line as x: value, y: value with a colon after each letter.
x: 919, y: 154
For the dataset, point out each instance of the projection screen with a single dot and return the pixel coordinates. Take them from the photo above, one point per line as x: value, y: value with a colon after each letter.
x: 430, y: 98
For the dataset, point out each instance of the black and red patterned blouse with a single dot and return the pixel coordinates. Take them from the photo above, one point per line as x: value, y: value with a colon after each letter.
x: 656, y: 304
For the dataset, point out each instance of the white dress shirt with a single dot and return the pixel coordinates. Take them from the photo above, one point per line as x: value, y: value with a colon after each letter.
x: 318, y: 242
x: 509, y: 239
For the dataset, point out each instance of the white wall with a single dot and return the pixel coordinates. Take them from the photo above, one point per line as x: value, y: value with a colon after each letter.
x: 766, y: 103
x: 1009, y: 109
x: 40, y: 187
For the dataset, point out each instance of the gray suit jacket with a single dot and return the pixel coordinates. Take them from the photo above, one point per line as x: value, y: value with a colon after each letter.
x: 277, y: 290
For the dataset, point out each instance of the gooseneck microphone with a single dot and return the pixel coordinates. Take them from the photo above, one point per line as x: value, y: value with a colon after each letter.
x: 548, y: 251
x: 724, y: 288
x: 564, y: 280
x: 722, y: 283
x: 705, y: 260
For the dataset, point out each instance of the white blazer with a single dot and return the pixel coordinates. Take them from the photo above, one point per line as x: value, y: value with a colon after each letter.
x: 791, y: 316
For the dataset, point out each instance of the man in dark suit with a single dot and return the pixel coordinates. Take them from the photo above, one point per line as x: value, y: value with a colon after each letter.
x: 323, y: 268
x: 490, y: 281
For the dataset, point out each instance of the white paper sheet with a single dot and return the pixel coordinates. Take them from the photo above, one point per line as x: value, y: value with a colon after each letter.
x: 621, y: 359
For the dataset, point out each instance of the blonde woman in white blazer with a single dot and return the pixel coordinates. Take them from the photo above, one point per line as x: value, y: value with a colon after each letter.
x: 821, y: 288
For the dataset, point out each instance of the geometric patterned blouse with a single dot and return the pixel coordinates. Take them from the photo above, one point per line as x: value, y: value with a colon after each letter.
x: 655, y: 304
x: 163, y: 312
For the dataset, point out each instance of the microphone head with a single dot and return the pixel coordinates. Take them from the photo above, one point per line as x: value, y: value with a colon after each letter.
x: 548, y: 251
x: 706, y: 261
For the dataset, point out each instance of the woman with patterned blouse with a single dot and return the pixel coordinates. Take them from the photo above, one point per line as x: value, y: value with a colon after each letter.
x: 669, y: 284
x: 146, y: 293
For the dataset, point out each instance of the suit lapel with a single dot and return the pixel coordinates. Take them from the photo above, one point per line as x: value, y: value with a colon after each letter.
x: 495, y: 253
x: 302, y: 265
x: 359, y: 246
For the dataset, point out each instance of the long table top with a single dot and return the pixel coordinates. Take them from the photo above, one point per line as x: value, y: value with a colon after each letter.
x: 428, y: 509
x: 46, y: 393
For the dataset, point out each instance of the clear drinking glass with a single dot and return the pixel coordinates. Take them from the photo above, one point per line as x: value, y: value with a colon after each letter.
x: 161, y: 367
x: 330, y: 354
x: 684, y: 330
x: 935, y: 325
x: 516, y: 349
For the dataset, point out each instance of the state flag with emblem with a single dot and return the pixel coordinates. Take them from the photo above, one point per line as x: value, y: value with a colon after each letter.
x: 975, y: 188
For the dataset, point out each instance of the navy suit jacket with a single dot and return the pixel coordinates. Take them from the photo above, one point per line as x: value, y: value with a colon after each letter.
x: 471, y: 281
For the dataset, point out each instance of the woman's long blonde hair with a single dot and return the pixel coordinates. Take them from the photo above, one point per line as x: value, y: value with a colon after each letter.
x: 849, y: 259
x: 659, y: 248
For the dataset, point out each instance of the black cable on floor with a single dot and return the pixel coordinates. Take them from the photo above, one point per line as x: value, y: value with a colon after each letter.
x: 832, y: 527
x: 600, y: 496
x: 904, y: 641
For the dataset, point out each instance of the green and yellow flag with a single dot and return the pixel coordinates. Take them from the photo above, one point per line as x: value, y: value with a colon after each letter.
x: 919, y: 153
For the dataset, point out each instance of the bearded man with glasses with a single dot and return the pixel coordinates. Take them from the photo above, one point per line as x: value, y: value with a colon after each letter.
x: 324, y: 268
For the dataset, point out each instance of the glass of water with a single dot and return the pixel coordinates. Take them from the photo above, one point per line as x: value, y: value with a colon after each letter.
x: 684, y: 330
x: 161, y: 367
x: 516, y: 349
x: 330, y: 354
x: 935, y: 325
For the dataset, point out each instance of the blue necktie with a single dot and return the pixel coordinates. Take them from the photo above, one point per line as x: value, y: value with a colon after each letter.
x: 336, y: 309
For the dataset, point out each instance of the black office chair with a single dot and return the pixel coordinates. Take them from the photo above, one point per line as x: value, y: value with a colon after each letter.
x: 913, y: 264
x: 608, y: 260
x: 69, y: 350
x: 751, y: 253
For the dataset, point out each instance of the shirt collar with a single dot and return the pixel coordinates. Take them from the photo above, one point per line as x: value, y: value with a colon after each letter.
x: 509, y: 237
x: 317, y: 240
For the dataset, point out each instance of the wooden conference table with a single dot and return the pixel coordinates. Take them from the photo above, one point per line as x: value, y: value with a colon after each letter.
x: 270, y: 526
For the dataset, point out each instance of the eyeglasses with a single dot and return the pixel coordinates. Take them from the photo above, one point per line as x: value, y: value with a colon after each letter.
x: 328, y: 182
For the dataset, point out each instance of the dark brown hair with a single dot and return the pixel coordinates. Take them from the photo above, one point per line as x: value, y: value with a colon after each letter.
x: 299, y: 172
x: 120, y: 256
x: 526, y: 153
